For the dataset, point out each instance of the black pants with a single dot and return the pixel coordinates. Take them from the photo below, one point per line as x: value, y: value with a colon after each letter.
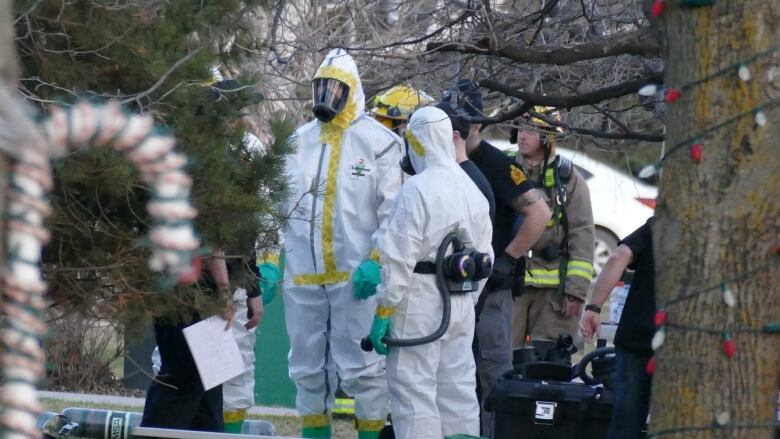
x: 176, y: 398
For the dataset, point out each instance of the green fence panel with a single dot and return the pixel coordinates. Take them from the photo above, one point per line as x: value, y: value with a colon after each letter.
x: 272, y: 382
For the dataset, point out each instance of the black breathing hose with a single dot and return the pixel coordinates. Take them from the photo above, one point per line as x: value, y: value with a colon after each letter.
x: 581, y: 371
x: 441, y: 283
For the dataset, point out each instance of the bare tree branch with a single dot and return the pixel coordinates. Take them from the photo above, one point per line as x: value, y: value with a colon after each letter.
x: 570, y: 102
x: 466, y: 14
x: 272, y: 32
x: 641, y: 42
x: 626, y: 135
x: 523, y: 108
x: 510, y: 114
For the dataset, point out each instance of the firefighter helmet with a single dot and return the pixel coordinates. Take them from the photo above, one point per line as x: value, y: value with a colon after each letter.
x: 398, y: 103
x: 549, y: 113
x: 541, y: 124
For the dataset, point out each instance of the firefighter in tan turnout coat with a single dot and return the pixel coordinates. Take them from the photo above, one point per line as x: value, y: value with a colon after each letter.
x: 560, y: 266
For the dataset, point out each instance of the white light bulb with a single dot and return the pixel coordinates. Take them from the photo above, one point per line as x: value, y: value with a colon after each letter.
x: 728, y: 296
x: 744, y: 73
x: 648, y: 171
x: 658, y: 338
x: 760, y: 118
x: 648, y: 90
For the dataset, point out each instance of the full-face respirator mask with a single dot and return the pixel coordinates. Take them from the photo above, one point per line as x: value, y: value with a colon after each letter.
x: 330, y: 97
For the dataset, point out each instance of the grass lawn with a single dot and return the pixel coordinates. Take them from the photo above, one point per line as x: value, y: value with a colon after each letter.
x: 285, y: 425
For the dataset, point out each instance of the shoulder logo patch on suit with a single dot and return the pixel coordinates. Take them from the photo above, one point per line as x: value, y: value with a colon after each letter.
x: 517, y: 175
x: 359, y: 169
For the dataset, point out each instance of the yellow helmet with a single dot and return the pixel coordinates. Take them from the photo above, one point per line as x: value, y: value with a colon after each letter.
x: 550, y: 113
x: 398, y: 103
x: 541, y: 124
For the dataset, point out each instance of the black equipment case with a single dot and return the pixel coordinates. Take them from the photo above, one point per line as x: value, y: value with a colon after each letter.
x: 539, y: 409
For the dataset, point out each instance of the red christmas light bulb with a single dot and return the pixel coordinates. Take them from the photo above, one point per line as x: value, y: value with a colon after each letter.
x: 696, y: 152
x: 672, y: 95
x: 729, y: 347
x: 650, y: 365
x: 658, y: 8
x: 660, y: 317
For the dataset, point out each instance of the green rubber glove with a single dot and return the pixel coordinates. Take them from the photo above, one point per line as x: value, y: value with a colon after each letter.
x: 379, y: 328
x: 365, y: 279
x: 270, y: 277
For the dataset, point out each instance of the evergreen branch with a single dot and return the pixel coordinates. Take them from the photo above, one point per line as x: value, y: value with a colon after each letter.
x: 89, y: 268
x: 132, y: 211
x: 164, y: 77
x: 189, y: 56
x: 73, y: 52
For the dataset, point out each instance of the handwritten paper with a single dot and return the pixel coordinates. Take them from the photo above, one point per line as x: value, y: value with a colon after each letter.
x: 214, y: 350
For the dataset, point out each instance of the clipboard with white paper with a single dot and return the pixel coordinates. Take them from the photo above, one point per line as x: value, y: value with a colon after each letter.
x: 214, y: 350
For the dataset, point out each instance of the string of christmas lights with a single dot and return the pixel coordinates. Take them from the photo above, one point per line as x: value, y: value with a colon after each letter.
x: 673, y: 93
x: 769, y: 328
x: 695, y: 140
x: 741, y: 68
x: 729, y: 346
x: 723, y: 285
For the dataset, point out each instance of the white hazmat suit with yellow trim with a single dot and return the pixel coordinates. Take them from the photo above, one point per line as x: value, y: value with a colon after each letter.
x: 432, y: 386
x: 343, y: 177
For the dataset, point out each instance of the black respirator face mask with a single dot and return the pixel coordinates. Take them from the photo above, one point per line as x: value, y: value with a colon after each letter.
x: 406, y: 162
x: 330, y: 97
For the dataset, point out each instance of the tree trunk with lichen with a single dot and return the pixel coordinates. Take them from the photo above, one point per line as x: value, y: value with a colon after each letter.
x: 719, y: 218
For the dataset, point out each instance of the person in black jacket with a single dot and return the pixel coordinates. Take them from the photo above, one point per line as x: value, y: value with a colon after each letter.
x: 635, y: 330
x: 176, y: 398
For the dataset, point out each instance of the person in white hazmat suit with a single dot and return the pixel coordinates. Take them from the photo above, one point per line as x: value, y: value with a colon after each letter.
x: 343, y: 178
x: 432, y: 386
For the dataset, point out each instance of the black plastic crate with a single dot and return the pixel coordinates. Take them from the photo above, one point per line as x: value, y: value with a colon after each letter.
x: 537, y: 409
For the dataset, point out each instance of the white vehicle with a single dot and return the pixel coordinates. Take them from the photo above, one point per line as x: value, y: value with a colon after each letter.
x: 621, y: 203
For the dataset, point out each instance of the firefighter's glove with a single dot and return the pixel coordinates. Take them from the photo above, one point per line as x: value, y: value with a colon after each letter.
x: 366, y: 278
x: 270, y: 278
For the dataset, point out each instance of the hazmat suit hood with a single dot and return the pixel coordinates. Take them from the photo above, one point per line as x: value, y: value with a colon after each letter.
x: 429, y: 136
x: 338, y: 64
